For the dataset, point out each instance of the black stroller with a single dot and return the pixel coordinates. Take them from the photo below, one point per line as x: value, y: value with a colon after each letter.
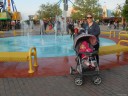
x: 81, y: 70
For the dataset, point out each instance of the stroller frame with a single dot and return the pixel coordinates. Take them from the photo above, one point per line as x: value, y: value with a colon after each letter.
x: 85, y: 71
x: 80, y: 71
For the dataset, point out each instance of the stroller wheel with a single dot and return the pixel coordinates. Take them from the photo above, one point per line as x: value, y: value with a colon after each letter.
x: 71, y: 71
x: 79, y: 81
x: 96, y: 80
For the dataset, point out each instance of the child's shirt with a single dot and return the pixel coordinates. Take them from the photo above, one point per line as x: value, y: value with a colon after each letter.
x: 84, y: 47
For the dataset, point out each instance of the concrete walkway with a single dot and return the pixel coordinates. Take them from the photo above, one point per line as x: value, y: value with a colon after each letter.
x: 114, y: 83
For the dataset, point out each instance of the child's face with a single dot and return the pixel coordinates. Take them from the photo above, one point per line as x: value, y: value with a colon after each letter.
x: 82, y: 46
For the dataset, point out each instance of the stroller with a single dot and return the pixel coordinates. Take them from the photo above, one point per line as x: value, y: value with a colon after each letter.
x: 86, y: 66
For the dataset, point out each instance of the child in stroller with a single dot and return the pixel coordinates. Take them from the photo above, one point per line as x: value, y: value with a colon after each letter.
x: 86, y: 60
x: 84, y: 47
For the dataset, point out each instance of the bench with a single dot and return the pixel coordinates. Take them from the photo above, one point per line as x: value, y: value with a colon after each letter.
x: 48, y: 31
x: 15, y: 33
x: 123, y: 34
x: 110, y: 33
x: 21, y: 57
x: 2, y: 33
x: 21, y: 33
x: 105, y: 50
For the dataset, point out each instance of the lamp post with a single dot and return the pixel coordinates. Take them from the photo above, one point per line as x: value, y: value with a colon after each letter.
x: 65, y: 2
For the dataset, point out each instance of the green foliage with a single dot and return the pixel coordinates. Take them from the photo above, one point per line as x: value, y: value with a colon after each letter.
x: 85, y: 6
x: 126, y: 1
x: 125, y: 12
x: 27, y: 21
x: 116, y: 13
x: 48, y: 11
x: 76, y: 16
x: 127, y: 29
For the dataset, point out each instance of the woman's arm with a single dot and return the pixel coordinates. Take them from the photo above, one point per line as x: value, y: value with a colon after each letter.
x: 96, y: 30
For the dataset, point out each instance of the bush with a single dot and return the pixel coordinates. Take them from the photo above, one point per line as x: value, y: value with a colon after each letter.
x: 127, y: 29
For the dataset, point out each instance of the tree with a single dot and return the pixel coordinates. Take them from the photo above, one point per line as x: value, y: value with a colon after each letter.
x: 48, y: 11
x: 125, y: 12
x: 126, y: 1
x: 76, y: 15
x: 116, y: 14
x: 84, y: 6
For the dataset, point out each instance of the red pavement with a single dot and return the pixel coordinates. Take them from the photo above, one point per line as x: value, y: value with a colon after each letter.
x: 57, y: 66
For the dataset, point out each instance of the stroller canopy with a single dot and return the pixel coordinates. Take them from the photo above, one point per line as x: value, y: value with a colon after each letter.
x: 84, y: 37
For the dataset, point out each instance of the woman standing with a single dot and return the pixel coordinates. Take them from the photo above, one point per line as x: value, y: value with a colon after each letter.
x: 93, y: 28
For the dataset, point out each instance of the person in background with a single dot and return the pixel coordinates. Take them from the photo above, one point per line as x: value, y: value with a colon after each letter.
x: 71, y: 28
x: 76, y: 29
x: 123, y: 25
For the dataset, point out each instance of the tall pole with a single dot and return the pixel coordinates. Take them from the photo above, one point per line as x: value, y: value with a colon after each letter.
x: 9, y: 6
x: 65, y: 15
x: 4, y: 5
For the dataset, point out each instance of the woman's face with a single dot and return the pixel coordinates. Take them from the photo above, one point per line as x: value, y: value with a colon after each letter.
x: 89, y: 18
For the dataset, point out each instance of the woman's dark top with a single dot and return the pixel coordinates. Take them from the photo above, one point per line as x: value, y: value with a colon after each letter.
x: 94, y: 29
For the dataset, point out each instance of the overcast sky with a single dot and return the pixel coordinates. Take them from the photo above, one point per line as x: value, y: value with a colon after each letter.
x: 29, y: 7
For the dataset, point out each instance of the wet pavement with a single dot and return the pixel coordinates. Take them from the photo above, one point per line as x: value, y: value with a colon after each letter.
x: 52, y: 78
x: 57, y: 66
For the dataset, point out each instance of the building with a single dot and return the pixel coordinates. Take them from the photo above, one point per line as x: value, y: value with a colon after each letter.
x: 106, y: 12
